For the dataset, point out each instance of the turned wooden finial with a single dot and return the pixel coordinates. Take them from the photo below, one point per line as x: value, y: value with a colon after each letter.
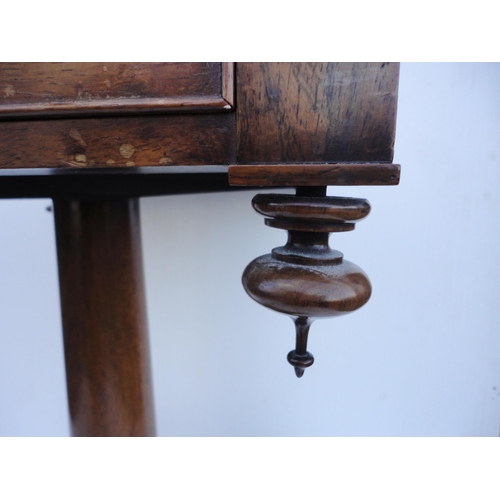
x: 305, y: 278
x: 309, y: 125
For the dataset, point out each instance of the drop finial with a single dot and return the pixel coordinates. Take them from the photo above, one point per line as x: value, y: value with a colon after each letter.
x: 300, y: 358
x: 306, y: 279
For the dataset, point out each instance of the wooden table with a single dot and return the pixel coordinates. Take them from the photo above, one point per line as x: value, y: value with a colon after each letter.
x: 95, y: 137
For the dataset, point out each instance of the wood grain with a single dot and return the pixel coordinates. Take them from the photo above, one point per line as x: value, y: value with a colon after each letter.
x: 79, y: 89
x: 329, y: 174
x: 305, y: 278
x: 316, y: 112
x: 306, y: 291
x: 318, y: 208
x: 104, y: 318
x: 198, y: 139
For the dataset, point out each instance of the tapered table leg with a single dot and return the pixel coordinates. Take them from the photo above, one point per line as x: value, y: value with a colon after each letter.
x: 104, y: 318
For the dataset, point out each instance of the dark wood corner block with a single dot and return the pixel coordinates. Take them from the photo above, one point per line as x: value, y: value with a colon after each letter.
x: 316, y: 112
x: 340, y: 174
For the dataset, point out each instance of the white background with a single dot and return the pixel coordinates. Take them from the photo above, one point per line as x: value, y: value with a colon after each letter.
x: 422, y: 358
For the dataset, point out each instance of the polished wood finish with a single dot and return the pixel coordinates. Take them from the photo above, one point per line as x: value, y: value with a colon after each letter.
x: 296, y: 124
x: 330, y: 174
x: 330, y: 209
x: 304, y: 291
x: 93, y: 136
x: 309, y: 226
x: 311, y: 125
x: 104, y: 318
x: 77, y: 89
x: 305, y: 278
x: 316, y: 112
x: 137, y: 141
x: 116, y: 107
x: 300, y: 358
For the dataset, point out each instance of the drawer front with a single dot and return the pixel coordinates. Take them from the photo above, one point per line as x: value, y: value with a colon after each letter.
x: 79, y: 89
x: 133, y: 141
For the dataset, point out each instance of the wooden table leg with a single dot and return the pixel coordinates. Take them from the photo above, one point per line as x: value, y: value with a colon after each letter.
x: 104, y: 318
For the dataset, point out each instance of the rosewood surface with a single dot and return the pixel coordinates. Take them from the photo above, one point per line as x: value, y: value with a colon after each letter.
x: 309, y: 174
x: 136, y: 141
x: 305, y: 278
x: 316, y: 112
x: 77, y: 89
x: 95, y: 136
